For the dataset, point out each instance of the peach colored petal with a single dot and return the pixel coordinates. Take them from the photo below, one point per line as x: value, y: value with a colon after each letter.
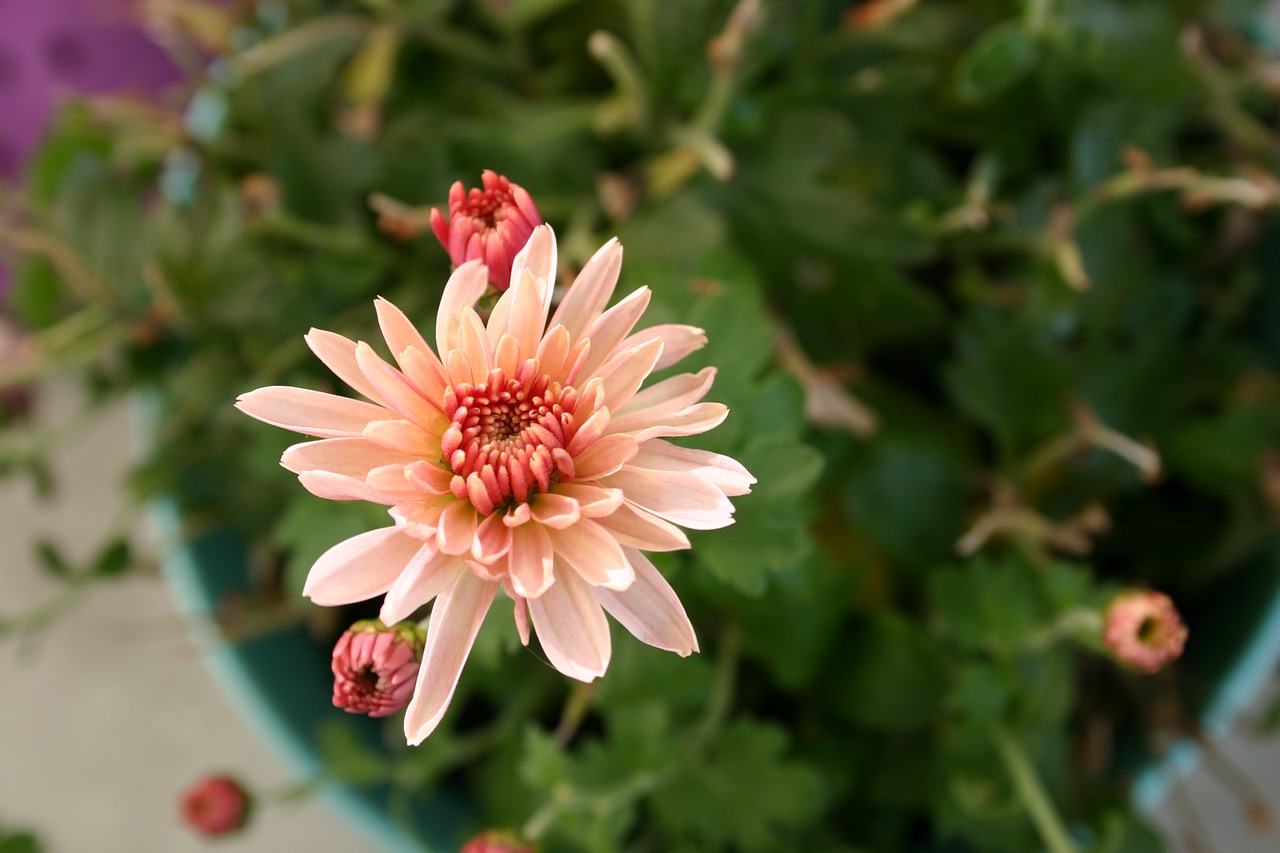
x: 528, y: 318
x: 428, y: 574
x: 458, y: 368
x: 590, y: 291
x: 637, y: 528
x: 429, y: 477
x: 425, y: 372
x: 455, y: 621
x: 352, y: 457
x: 393, y: 482
x: 571, y: 627
x: 339, y: 355
x: 555, y: 510
x: 398, y: 330
x: 671, y: 394
x: 649, y: 609
x: 593, y: 501
x: 531, y: 560
x: 593, y: 553
x: 552, y: 351
x: 589, y: 431
x: 610, y: 328
x: 727, y: 473
x: 399, y: 394
x: 677, y: 339
x: 474, y: 342
x: 492, y: 541
x: 626, y: 372
x: 604, y: 456
x: 359, y: 568
x: 698, y: 418
x: 680, y: 498
x: 457, y: 529
x: 339, y: 487
x: 421, y: 518
x: 539, y: 257
x: 467, y: 284
x: 310, y: 412
x: 402, y: 437
x: 521, y: 615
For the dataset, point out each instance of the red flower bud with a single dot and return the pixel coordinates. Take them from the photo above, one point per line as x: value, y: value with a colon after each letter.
x: 491, y: 224
x: 1142, y: 628
x: 216, y: 805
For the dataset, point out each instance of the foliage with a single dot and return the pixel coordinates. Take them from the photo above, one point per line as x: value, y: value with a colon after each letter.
x: 993, y: 304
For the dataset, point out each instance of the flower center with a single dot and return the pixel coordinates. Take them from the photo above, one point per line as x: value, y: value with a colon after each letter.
x: 487, y: 206
x: 508, y: 437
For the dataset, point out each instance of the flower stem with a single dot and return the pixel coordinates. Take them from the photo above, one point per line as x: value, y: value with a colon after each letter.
x: 1032, y: 794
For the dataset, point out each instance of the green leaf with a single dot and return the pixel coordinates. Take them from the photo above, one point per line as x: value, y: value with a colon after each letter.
x: 20, y: 842
x: 747, y: 795
x: 891, y: 677
x: 348, y: 757
x: 998, y: 60
x: 113, y: 560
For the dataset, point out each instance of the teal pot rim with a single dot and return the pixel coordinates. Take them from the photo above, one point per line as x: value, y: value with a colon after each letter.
x: 1234, y: 650
x: 287, y: 709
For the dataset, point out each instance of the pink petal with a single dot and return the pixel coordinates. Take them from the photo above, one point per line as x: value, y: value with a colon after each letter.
x: 531, y: 560
x: 402, y: 437
x: 425, y: 372
x: 571, y: 626
x: 552, y: 351
x: 428, y: 574
x: 359, y: 568
x: 604, y: 456
x: 727, y: 473
x: 352, y: 457
x: 557, y: 511
x: 592, y: 500
x: 457, y: 528
x: 527, y: 315
x: 593, y: 553
x: 539, y: 257
x: 683, y: 499
x: 467, y: 284
x: 339, y: 487
x: 492, y: 540
x: 677, y: 341
x: 421, y: 518
x: 506, y: 355
x: 649, y: 609
x: 670, y: 395
x: 636, y: 528
x: 399, y: 395
x: 611, y: 327
x: 590, y: 291
x: 310, y: 412
x: 455, y: 621
x: 474, y: 341
x: 626, y: 371
x: 393, y: 482
x: 398, y: 331
x: 521, y: 614
x: 698, y: 418
x: 339, y: 355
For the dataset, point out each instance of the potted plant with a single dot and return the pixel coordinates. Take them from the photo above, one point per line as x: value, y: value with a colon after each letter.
x: 987, y: 301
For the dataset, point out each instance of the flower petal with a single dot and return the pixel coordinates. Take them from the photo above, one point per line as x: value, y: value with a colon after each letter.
x: 492, y: 540
x: 399, y: 394
x: 626, y: 372
x: 402, y: 436
x: 398, y: 330
x: 531, y: 561
x: 556, y: 511
x: 611, y: 327
x: 539, y: 257
x: 427, y: 574
x: 339, y: 487
x: 727, y: 473
x: 650, y: 609
x: 352, y: 457
x: 590, y: 291
x: 642, y: 426
x: 465, y: 286
x: 455, y: 621
x: 571, y: 626
x: 680, y: 498
x: 310, y: 412
x: 593, y: 501
x: 457, y: 528
x: 593, y: 553
x: 678, y: 340
x: 339, y: 355
x: 634, y: 527
x: 604, y: 456
x: 671, y: 394
x: 359, y: 568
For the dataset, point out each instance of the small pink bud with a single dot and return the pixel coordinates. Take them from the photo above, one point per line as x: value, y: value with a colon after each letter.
x: 496, y: 841
x: 375, y: 667
x: 491, y: 224
x: 1142, y: 628
x: 216, y: 805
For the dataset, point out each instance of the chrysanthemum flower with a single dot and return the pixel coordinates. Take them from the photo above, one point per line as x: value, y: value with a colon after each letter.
x: 490, y: 224
x: 216, y: 805
x: 524, y: 458
x: 1142, y: 628
x: 375, y: 667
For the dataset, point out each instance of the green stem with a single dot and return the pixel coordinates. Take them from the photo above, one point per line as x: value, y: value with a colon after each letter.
x: 1031, y: 793
x: 723, y: 685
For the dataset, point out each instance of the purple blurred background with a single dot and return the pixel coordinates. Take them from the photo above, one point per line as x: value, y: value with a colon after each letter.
x: 51, y: 48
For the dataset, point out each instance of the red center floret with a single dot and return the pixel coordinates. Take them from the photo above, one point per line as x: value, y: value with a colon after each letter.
x: 508, y: 438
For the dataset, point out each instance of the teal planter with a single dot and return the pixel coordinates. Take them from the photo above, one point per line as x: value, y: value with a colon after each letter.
x: 280, y: 682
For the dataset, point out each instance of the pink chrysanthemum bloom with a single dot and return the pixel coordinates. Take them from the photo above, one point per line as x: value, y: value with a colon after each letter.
x: 491, y: 225
x: 216, y: 805
x: 524, y: 458
x: 1142, y: 628
x: 375, y: 667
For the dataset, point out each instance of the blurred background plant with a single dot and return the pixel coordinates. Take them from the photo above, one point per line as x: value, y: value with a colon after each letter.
x: 993, y: 292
